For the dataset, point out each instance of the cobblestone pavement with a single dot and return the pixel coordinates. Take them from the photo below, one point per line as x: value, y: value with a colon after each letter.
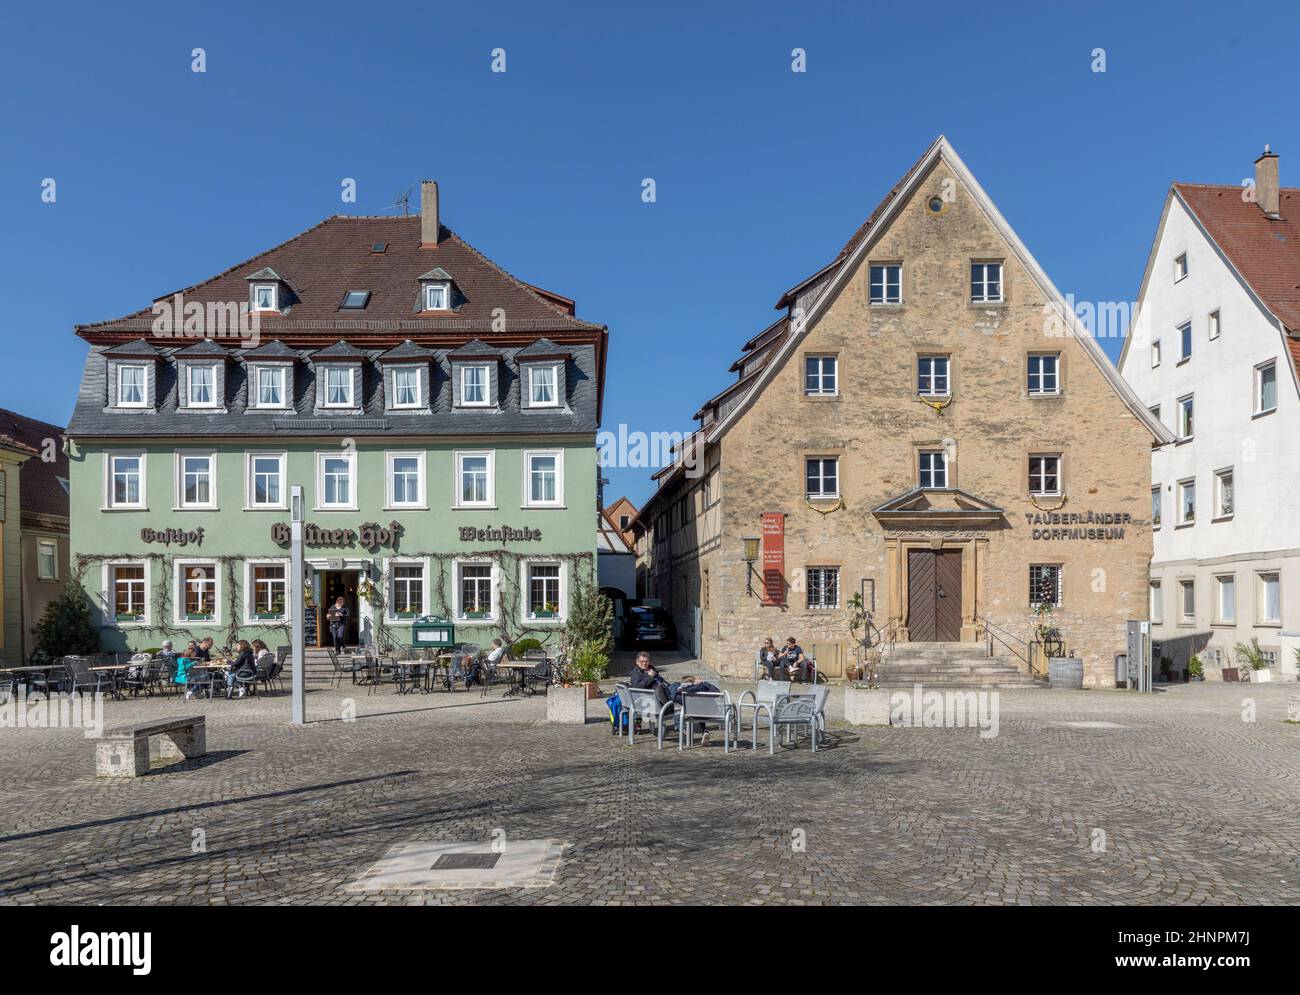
x: 1196, y: 806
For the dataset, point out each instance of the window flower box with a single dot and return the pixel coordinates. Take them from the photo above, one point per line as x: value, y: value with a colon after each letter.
x: 477, y: 615
x: 544, y: 614
x: 126, y: 618
x: 269, y: 616
x: 198, y: 616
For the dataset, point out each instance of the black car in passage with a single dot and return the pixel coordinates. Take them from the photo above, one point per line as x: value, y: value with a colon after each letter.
x: 645, y: 626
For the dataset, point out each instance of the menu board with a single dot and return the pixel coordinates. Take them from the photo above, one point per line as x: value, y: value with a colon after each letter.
x: 309, y: 626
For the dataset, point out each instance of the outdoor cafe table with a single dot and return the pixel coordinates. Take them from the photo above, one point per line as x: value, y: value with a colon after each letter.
x: 519, y: 669
x: 113, y: 669
x: 15, y: 671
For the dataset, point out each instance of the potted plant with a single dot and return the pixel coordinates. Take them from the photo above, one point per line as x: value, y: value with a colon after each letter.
x: 1253, y: 657
x: 585, y: 642
x: 549, y: 610
x: 1195, y: 669
x: 588, y: 668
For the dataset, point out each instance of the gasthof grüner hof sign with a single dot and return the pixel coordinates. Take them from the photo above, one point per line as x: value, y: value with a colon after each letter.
x: 1087, y: 526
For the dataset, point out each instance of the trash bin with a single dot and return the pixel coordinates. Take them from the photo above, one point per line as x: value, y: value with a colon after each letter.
x: 433, y: 631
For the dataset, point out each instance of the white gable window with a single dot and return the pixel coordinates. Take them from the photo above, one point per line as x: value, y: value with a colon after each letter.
x: 1044, y: 378
x: 1266, y: 387
x: 1214, y: 325
x: 1185, y: 341
x: 1180, y: 267
x: 336, y: 480
x: 269, y: 387
x: 986, y: 283
x: 201, y: 386
x: 437, y: 296
x: 542, y: 391
x: 266, y: 297
x: 885, y: 282
x: 1155, y: 353
x: 338, y: 387
x: 474, y: 385
x: 132, y: 386
x: 406, y: 387
x: 1186, y: 420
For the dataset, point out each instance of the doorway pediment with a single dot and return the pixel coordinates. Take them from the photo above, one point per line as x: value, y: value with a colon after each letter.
x: 922, y: 508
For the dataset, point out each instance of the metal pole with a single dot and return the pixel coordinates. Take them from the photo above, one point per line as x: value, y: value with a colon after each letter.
x: 296, y: 599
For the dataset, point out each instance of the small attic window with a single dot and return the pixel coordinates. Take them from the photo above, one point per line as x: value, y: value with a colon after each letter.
x: 435, y: 296
x: 355, y: 299
x: 265, y: 297
x: 379, y: 247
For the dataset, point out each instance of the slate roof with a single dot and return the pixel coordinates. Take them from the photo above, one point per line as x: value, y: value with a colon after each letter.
x: 43, y: 502
x: 326, y: 261
x: 580, y: 414
x: 1266, y: 251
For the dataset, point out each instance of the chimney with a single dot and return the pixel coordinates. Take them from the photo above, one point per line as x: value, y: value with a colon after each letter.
x: 429, y: 209
x: 1267, y: 193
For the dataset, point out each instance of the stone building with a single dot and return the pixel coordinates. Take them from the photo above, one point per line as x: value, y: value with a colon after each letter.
x: 928, y: 426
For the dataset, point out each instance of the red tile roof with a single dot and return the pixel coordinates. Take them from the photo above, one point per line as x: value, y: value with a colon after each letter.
x: 1266, y: 251
x: 42, y: 499
x: 323, y: 263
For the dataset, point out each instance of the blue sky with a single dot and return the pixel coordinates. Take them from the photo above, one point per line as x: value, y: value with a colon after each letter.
x: 165, y: 176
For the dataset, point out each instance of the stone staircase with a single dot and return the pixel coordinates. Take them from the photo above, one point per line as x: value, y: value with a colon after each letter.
x: 952, y: 665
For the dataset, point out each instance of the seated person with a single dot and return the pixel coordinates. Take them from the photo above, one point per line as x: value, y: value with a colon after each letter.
x: 184, y: 663
x: 495, y: 655
x: 204, y: 650
x: 768, y: 658
x: 244, y: 666
x: 793, y: 661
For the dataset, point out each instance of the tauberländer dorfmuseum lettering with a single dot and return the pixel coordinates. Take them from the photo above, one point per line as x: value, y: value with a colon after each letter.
x: 1081, y: 525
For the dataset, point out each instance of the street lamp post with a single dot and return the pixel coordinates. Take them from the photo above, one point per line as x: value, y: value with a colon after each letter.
x: 751, y: 555
x: 299, y: 631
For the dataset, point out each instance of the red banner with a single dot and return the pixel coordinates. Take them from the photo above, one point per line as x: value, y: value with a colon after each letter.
x: 773, y: 558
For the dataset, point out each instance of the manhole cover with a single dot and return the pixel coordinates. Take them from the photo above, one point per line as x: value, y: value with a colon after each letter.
x: 466, y: 861
x: 478, y: 864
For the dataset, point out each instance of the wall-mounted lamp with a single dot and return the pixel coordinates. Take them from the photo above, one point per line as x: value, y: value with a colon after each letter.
x: 751, y: 557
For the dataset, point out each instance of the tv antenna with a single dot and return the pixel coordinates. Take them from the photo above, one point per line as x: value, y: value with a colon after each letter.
x: 403, y: 201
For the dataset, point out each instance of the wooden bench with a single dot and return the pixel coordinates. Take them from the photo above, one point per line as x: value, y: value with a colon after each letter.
x: 124, y: 752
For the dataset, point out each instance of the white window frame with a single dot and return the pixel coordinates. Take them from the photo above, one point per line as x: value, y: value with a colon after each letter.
x: 487, y: 385
x: 1186, y: 584
x: 350, y: 455
x: 821, y: 477
x: 1214, y: 322
x: 458, y: 461
x: 178, y: 498
x: 1186, y: 340
x: 983, y: 296
x: 934, y: 471
x: 419, y: 390
x: 190, y: 369
x: 822, y: 603
x: 1186, y: 417
x: 889, y: 269
x: 390, y: 587
x: 1258, y: 398
x: 178, y: 590
x: 1043, y: 375
x: 390, y: 482
x: 250, y: 481
x: 932, y: 377
x: 110, y: 456
x: 1219, y: 617
x: 1043, y: 474
x: 562, y: 606
x: 1155, y: 353
x: 1180, y: 492
x: 108, y: 589
x: 144, y: 386
x: 1180, y: 267
x: 528, y: 456
x: 42, y: 547
x: 250, y: 590
x: 494, y: 580
x: 347, y: 370
x: 1219, y: 475
x: 534, y: 369
x: 821, y: 376
x: 1157, y: 506
x: 275, y: 297
x: 435, y: 285
x: 1261, y: 600
x: 255, y: 393
x: 1156, y: 601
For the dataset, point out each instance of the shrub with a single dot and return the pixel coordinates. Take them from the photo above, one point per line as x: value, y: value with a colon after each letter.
x: 588, y: 663
x: 1251, y: 654
x: 64, y: 628
x: 523, y: 646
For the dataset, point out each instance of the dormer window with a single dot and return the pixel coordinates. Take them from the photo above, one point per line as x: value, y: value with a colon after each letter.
x: 338, y: 387
x: 131, y: 386
x: 436, y: 296
x: 355, y: 300
x: 473, y: 386
x: 265, y: 297
x: 406, y: 387
x: 201, y: 386
x: 542, y: 387
x: 268, y: 386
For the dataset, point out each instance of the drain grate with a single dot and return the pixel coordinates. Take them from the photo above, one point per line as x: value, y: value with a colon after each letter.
x: 466, y: 862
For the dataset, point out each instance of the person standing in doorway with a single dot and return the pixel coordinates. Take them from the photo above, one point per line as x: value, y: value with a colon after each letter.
x: 337, y: 617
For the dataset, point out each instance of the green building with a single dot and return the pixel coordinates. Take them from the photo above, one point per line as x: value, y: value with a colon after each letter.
x: 439, y: 414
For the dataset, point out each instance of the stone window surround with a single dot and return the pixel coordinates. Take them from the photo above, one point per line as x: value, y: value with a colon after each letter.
x: 835, y: 454
x: 931, y: 445
x: 1061, y: 485
x: 1216, y: 615
x: 1216, y: 495
x: 426, y: 584
x: 1183, y: 620
x: 1005, y: 299
x: 1156, y: 600
x: 803, y: 374
x: 249, y: 592
x: 1260, y: 621
x: 526, y: 501
x: 1062, y: 367
x: 108, y: 593
x: 922, y: 352
x: 457, y: 458
x: 902, y: 282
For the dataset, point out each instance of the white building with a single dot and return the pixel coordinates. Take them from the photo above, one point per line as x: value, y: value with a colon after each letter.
x: 1214, y: 352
